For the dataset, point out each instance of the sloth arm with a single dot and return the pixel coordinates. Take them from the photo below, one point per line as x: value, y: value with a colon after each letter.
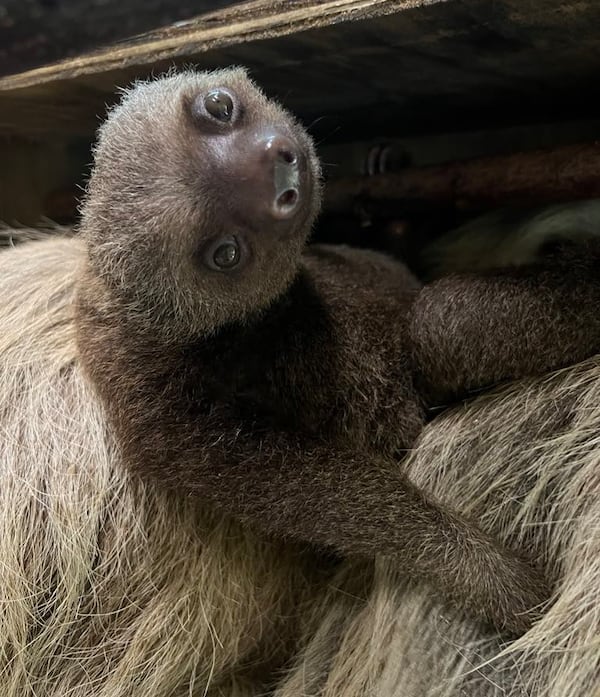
x: 286, y: 486
x: 474, y: 331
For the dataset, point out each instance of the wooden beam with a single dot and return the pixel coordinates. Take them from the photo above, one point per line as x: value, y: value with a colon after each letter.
x: 566, y: 173
x: 38, y: 32
x: 407, y: 67
x: 240, y: 23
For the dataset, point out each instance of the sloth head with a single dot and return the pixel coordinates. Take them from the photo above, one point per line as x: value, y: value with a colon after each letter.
x: 201, y: 198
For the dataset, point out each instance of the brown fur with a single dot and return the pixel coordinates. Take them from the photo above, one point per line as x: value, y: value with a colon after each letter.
x: 283, y: 393
x: 524, y: 460
x: 151, y: 259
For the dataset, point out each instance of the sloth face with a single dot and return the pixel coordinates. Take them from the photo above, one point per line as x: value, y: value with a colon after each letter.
x: 200, y: 201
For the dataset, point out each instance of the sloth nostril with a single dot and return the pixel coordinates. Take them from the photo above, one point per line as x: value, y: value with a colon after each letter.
x: 288, y: 198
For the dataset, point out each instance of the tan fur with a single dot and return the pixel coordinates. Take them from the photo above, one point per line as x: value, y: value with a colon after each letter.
x: 109, y: 588
x: 509, y: 237
x: 526, y: 462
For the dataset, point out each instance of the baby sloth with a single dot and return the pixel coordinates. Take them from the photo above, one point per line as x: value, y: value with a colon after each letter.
x: 282, y: 383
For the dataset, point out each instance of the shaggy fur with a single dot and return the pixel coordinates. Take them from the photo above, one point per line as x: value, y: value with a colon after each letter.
x: 110, y: 588
x: 510, y: 238
x: 525, y: 461
x: 281, y: 389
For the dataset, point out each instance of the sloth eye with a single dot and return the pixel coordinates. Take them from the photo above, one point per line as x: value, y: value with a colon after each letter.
x: 222, y: 254
x: 227, y: 255
x: 219, y: 105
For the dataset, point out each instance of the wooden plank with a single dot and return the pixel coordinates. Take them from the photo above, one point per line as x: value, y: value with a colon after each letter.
x: 426, y: 67
x: 249, y: 21
x: 38, y: 32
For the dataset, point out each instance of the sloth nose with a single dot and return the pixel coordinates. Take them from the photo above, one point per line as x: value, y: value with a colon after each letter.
x: 284, y: 160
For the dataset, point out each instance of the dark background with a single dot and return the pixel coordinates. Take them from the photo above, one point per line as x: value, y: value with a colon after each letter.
x: 35, y: 32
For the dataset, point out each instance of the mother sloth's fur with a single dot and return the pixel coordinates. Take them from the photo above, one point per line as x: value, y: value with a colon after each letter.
x: 112, y: 589
x: 109, y: 588
x: 526, y: 462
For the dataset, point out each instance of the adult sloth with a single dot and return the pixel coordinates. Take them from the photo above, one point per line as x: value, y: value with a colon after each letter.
x: 113, y: 589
